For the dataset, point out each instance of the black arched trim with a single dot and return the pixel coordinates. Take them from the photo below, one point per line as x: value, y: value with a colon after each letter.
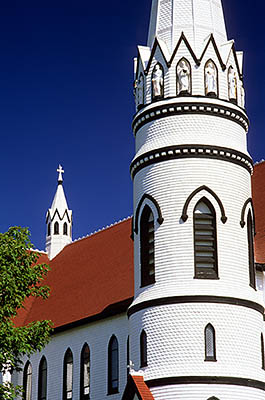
x: 212, y: 40
x: 206, y: 380
x: 243, y: 213
x: 160, y: 219
x: 185, y: 40
x: 185, y: 216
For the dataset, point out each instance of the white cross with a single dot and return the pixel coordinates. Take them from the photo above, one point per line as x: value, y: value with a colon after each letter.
x: 61, y: 171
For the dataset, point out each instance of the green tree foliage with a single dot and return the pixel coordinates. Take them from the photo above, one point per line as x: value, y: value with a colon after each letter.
x: 20, y: 278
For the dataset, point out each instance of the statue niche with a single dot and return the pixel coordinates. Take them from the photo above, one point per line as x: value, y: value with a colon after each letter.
x: 157, y: 82
x: 183, y: 77
x: 232, y: 85
x: 210, y: 76
x: 139, y: 91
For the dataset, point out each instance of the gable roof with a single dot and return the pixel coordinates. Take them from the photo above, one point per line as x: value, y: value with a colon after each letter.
x: 137, y: 386
x: 89, y: 278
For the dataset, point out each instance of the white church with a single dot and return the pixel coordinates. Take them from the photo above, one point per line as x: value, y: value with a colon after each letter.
x: 169, y: 304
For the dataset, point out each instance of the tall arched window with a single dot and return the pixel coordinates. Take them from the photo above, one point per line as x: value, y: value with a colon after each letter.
x: 147, y: 242
x: 49, y: 229
x: 205, y: 243
x: 27, y: 382
x: 262, y: 351
x: 143, y: 349
x: 210, y: 346
x: 65, y: 230
x: 42, y: 382
x: 113, y: 366
x: 56, y: 228
x: 85, y: 373
x: 252, y: 275
x: 128, y: 355
x: 68, y: 375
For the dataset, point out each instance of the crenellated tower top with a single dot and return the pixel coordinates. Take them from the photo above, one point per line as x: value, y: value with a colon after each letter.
x: 197, y: 19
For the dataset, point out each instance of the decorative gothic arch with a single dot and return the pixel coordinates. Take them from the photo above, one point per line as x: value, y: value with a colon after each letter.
x: 185, y: 216
x: 160, y: 219
x: 243, y: 213
x: 183, y: 77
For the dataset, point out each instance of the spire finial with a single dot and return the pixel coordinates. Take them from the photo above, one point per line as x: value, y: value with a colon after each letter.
x: 60, y: 171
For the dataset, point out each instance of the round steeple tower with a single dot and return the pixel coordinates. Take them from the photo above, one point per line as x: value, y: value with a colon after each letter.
x: 196, y: 322
x: 58, y: 221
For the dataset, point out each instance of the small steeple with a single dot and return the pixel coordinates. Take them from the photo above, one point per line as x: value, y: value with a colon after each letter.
x: 196, y: 18
x: 58, y: 221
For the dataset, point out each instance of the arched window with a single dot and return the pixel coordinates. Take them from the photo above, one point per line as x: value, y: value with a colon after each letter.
x: 183, y: 71
x: 157, y: 81
x: 65, y: 228
x: 68, y: 375
x: 27, y: 381
x: 56, y: 228
x: 147, y: 243
x: 252, y: 275
x: 113, y: 366
x: 211, y: 79
x: 205, y: 243
x: 42, y: 383
x: 262, y: 352
x: 85, y: 373
x: 213, y: 398
x: 143, y: 349
x: 210, y: 346
x: 49, y: 229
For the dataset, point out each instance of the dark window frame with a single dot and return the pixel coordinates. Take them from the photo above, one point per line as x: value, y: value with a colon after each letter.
x: 147, y: 246
x: 85, y: 356
x: 65, y: 229
x: 42, y: 379
x: 250, y: 233
x: 26, y: 378
x: 128, y: 355
x: 49, y: 229
x: 113, y: 366
x: 68, y: 359
x: 205, y: 272
x: 207, y: 356
x: 143, y: 349
x: 262, y: 352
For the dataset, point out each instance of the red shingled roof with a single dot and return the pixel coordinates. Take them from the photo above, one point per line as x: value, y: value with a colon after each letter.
x: 258, y: 194
x: 137, y: 386
x: 87, y: 277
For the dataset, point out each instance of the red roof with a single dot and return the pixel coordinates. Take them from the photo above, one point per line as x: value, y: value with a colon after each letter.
x: 136, y: 385
x: 258, y: 194
x: 87, y: 277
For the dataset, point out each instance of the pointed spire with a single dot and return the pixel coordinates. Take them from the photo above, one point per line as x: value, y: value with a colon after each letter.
x: 58, y: 220
x: 196, y: 18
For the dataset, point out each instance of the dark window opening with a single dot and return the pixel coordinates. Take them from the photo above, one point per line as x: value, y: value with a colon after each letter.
x: 252, y: 275
x: 49, y: 229
x: 128, y: 355
x: 113, y: 366
x: 27, y: 382
x: 68, y: 375
x: 56, y: 228
x: 85, y: 373
x: 147, y: 242
x: 65, y: 230
x: 143, y: 349
x: 205, y: 243
x: 262, y: 352
x: 42, y: 386
x: 210, y: 346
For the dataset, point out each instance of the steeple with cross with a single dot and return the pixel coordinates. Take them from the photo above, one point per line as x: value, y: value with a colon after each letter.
x: 58, y: 220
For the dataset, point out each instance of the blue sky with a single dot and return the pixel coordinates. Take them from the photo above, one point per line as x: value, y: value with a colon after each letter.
x: 66, y: 97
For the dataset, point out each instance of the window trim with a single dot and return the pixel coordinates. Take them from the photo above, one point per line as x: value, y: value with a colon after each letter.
x: 208, y: 357
x: 111, y: 353
x: 26, y: 380
x: 65, y: 363
x: 43, y: 361
x: 146, y: 247
x: 82, y: 373
x: 143, y: 349
x: 262, y: 352
x: 56, y: 228
x: 201, y: 272
x: 251, y: 261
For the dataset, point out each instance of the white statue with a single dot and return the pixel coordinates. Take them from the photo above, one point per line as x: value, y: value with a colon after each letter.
x: 183, y: 73
x: 232, y: 84
x: 210, y: 78
x: 242, y: 94
x: 140, y: 90
x: 158, y: 81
